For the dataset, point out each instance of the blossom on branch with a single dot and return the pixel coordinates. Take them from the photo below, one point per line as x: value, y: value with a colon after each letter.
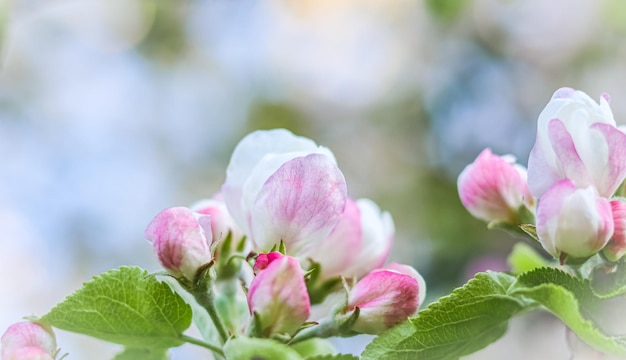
x: 494, y: 188
x: 181, y: 239
x: 282, y: 187
x: 577, y: 139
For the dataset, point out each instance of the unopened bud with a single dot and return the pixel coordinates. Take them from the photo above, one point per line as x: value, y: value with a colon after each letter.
x: 278, y: 297
x: 385, y: 297
x: 28, y: 340
x: 181, y: 240
x: 493, y: 188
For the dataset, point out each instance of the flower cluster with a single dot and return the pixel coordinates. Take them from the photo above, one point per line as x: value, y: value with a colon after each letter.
x: 575, y: 168
x: 284, y: 208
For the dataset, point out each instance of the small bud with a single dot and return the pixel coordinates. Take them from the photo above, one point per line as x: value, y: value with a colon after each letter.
x: 385, y: 297
x: 181, y: 240
x: 263, y: 260
x: 28, y: 340
x: 573, y: 222
x: 493, y: 188
x: 278, y: 297
x: 616, y: 248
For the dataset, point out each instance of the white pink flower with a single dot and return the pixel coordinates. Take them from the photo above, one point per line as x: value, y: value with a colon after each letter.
x: 283, y: 187
x: 360, y: 242
x: 577, y: 139
x: 493, y: 188
x: 181, y: 239
x: 278, y: 296
x: 573, y: 221
x: 28, y: 341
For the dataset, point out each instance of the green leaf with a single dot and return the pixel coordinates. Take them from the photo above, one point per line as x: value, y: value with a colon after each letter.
x: 469, y: 319
x: 609, y: 281
x: 573, y: 301
x: 244, y: 348
x: 549, y: 275
x: 525, y: 258
x: 142, y: 354
x: 530, y: 230
x: 124, y: 306
x: 562, y: 303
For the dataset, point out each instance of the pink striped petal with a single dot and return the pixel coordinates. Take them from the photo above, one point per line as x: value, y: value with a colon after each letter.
x: 571, y: 165
x: 300, y: 204
x: 615, y: 171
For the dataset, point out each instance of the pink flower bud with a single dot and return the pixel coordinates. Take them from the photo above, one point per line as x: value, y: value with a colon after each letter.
x: 573, y: 221
x: 283, y: 187
x: 385, y: 297
x: 360, y: 242
x: 279, y: 298
x: 263, y: 260
x: 28, y: 340
x: 493, y: 188
x: 577, y: 139
x: 221, y: 221
x: 181, y: 240
x: 616, y: 248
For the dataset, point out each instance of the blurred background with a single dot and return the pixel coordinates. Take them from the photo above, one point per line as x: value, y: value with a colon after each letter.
x: 111, y: 110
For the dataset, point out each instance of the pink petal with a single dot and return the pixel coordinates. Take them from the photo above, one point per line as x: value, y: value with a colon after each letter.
x: 341, y: 248
x: 571, y: 165
x: 548, y: 210
x: 616, y: 167
x: 300, y: 203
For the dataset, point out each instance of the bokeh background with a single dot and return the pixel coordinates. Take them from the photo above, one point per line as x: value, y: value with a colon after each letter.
x: 111, y: 110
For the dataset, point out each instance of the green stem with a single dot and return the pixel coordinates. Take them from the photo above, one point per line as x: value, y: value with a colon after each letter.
x: 204, y: 344
x: 205, y: 298
x: 325, y: 329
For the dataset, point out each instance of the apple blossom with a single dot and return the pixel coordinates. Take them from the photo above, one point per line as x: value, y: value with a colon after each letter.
x: 181, y: 239
x: 281, y: 187
x: 494, y: 188
x: 360, y: 242
x: 384, y: 298
x: 577, y: 139
x: 616, y: 248
x: 573, y: 221
x: 278, y: 297
x: 28, y: 340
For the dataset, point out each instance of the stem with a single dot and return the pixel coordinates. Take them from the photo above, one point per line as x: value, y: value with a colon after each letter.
x: 324, y: 329
x: 204, y: 344
x: 206, y: 300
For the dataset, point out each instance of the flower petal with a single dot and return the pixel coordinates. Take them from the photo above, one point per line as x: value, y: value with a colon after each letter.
x: 300, y: 204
